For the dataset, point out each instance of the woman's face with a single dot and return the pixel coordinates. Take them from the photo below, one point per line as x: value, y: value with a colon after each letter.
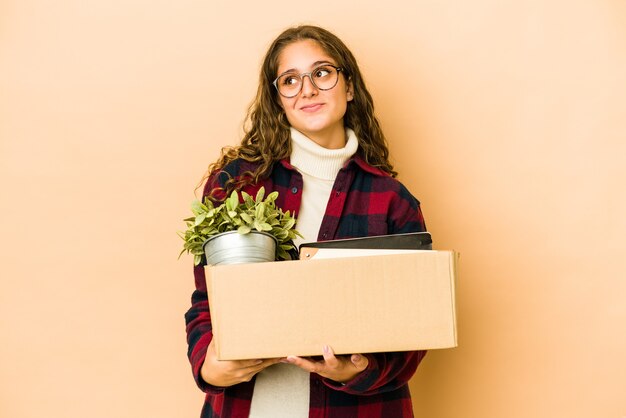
x: 316, y: 113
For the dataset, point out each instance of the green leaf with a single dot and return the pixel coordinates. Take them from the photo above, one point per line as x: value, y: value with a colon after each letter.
x: 290, y: 223
x: 280, y: 234
x: 293, y: 234
x: 233, y: 201
x: 272, y: 196
x: 197, y: 259
x: 208, y: 204
x: 282, y: 254
x: 209, y: 230
x: 247, y: 199
x: 260, y: 210
x: 266, y: 226
x: 244, y: 229
x: 260, y: 194
x: 247, y: 218
x: 200, y: 218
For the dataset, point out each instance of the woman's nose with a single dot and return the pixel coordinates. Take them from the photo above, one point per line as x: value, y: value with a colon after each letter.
x: 308, y: 88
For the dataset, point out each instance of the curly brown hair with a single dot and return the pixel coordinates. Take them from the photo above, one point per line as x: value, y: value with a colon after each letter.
x: 266, y: 129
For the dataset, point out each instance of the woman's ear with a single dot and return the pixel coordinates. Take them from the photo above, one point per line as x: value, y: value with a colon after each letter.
x: 350, y: 91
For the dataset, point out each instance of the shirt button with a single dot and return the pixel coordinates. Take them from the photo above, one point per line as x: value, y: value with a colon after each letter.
x: 294, y: 190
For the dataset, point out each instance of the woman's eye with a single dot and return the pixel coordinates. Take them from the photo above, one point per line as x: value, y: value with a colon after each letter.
x: 321, y: 72
x: 290, y: 80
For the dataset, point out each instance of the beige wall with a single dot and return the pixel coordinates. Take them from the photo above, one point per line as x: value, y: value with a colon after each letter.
x: 506, y: 118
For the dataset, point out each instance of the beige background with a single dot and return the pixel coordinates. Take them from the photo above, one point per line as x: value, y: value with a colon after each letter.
x: 506, y: 118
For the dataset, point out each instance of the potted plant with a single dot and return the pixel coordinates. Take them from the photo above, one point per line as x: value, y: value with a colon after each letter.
x: 239, y: 230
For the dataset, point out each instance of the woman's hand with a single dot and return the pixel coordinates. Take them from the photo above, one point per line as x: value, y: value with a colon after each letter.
x: 230, y: 372
x: 340, y: 369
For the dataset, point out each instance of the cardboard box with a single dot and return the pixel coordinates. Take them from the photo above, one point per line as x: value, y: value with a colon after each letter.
x: 376, y: 303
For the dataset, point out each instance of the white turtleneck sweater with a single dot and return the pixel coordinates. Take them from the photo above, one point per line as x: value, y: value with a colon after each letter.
x: 282, y: 390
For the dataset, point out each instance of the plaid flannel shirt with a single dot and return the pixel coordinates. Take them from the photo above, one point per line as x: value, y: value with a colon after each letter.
x: 365, y: 201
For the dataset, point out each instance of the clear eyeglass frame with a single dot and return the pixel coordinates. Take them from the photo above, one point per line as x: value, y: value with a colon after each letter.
x: 301, y: 78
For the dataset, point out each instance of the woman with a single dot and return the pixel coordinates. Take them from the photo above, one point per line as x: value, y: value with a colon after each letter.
x: 313, y: 137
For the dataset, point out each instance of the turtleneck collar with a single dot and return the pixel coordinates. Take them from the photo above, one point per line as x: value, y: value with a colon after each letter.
x: 317, y: 161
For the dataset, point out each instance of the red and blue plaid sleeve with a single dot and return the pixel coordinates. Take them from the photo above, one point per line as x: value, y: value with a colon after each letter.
x: 199, y: 330
x: 405, y: 213
x: 385, y: 372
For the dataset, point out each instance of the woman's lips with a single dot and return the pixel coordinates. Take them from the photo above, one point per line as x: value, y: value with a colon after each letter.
x: 312, y: 107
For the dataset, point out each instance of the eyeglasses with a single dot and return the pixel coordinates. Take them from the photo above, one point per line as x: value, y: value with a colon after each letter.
x: 324, y: 77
